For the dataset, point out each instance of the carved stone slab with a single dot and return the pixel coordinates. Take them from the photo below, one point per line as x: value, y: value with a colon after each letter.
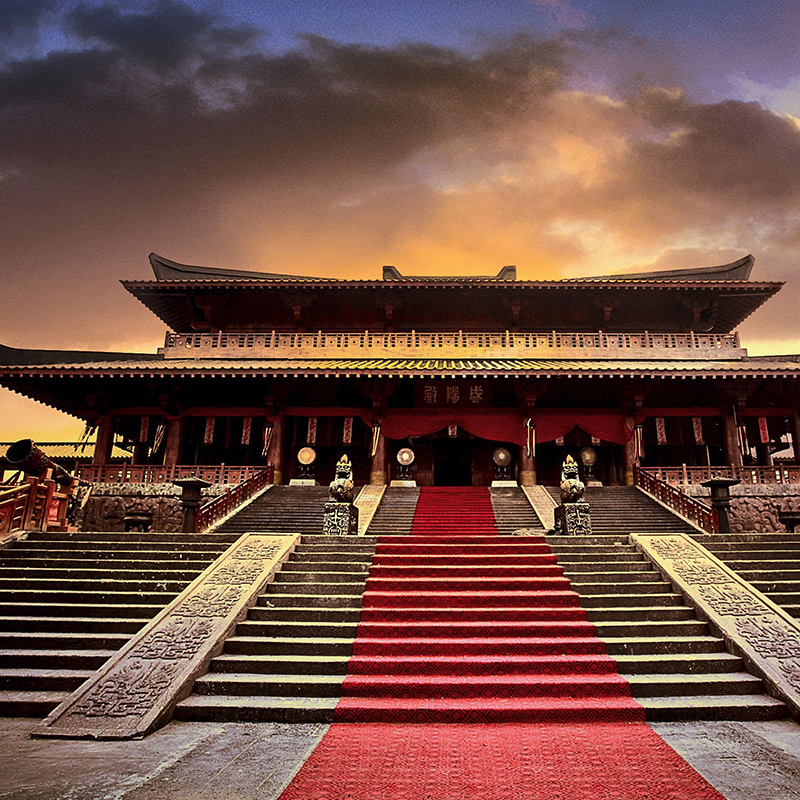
x: 136, y: 690
x: 368, y: 500
x: 763, y: 632
x: 542, y: 504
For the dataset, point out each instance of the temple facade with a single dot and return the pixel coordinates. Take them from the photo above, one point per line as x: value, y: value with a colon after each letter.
x: 617, y: 370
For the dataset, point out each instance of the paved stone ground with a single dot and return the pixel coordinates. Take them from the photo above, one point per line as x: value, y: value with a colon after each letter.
x: 248, y: 761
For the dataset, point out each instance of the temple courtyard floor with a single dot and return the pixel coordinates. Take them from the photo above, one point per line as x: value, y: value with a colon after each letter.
x: 255, y: 761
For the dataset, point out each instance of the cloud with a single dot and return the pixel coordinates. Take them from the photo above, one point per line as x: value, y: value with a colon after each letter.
x: 175, y: 130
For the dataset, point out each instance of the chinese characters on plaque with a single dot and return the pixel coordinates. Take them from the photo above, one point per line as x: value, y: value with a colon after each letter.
x: 444, y: 394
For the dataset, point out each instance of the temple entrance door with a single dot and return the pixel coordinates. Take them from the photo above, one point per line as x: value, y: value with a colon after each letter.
x: 452, y: 462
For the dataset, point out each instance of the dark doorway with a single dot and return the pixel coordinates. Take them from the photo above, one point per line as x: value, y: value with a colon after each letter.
x: 452, y: 462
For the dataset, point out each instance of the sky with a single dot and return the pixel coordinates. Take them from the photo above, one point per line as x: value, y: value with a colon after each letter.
x: 568, y: 137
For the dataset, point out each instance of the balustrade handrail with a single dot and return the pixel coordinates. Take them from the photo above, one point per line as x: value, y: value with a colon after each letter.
x: 460, y: 340
x: 219, y: 507
x: 154, y: 473
x: 748, y: 475
x: 26, y: 506
x: 688, y: 507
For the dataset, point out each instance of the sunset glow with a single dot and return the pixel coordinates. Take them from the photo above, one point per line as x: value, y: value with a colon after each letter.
x: 568, y: 138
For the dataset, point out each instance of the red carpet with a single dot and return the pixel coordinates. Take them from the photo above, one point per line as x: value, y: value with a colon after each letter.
x: 496, y: 762
x: 462, y: 625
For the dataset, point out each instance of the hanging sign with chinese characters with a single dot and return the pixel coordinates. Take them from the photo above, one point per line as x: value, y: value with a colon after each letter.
x: 447, y: 394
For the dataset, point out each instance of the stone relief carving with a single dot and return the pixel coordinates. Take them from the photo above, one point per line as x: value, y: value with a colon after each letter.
x: 767, y: 632
x: 130, y: 692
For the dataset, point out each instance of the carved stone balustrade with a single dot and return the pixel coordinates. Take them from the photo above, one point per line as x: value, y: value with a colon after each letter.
x: 456, y: 344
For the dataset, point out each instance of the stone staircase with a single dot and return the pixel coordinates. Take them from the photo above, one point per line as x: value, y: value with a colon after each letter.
x: 769, y: 561
x: 626, y: 509
x: 677, y: 668
x: 512, y: 510
x: 69, y: 601
x: 395, y: 513
x: 287, y: 661
x: 281, y: 509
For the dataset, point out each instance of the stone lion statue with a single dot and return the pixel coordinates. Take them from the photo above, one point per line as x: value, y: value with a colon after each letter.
x: 342, y: 488
x: 572, y: 488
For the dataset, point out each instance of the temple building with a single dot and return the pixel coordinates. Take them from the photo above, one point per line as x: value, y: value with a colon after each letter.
x: 641, y: 368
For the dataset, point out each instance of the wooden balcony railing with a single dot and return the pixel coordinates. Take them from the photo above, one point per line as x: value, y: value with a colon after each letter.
x: 214, y: 510
x: 455, y: 344
x: 147, y: 473
x: 690, y: 508
x: 749, y: 476
x: 35, y: 505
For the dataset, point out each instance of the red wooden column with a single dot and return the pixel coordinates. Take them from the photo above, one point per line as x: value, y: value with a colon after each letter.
x: 172, y: 448
x: 377, y: 475
x: 105, y: 441
x: 275, y: 454
x: 730, y: 438
x: 630, y: 460
x: 527, y: 467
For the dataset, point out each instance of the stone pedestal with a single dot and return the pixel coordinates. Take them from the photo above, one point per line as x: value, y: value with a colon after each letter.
x: 340, y: 519
x: 721, y: 500
x: 191, y: 489
x: 573, y: 519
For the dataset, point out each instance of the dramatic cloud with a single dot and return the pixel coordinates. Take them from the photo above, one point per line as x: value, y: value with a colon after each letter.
x: 174, y: 130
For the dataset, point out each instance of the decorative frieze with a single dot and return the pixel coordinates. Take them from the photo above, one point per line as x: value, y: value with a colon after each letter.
x: 136, y: 690
x: 762, y: 631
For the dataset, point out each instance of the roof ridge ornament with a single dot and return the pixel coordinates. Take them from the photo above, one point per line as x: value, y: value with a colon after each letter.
x: 507, y: 273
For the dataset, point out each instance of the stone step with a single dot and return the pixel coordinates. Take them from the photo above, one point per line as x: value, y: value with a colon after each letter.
x: 750, y: 708
x: 107, y: 565
x: 677, y: 663
x: 15, y: 703
x: 55, y: 658
x: 273, y: 599
x: 39, y: 640
x: 280, y: 663
x: 49, y: 680
x: 216, y: 708
x: 115, y: 611
x: 110, y: 585
x: 633, y: 614
x: 682, y: 684
x: 642, y: 645
x: 665, y: 628
x: 101, y: 596
x: 660, y: 599
x: 70, y: 625
x: 300, y: 614
x: 265, y: 684
x: 628, y: 587
x: 274, y: 645
x: 50, y: 575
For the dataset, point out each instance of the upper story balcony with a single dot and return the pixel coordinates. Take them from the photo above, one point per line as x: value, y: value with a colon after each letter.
x: 457, y: 344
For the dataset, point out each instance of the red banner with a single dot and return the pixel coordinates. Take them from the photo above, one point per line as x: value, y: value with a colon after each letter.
x: 697, y: 427
x: 208, y: 436
x: 661, y: 430
x: 247, y: 427
x: 347, y: 430
x: 311, y: 438
x: 763, y: 430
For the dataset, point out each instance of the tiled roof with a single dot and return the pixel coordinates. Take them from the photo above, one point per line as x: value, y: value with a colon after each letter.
x: 71, y: 450
x: 428, y: 367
